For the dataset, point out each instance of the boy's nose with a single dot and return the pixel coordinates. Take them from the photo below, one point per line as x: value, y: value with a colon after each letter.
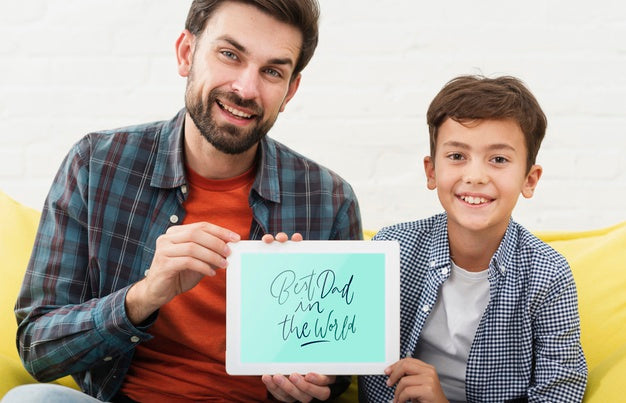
x: 475, y: 173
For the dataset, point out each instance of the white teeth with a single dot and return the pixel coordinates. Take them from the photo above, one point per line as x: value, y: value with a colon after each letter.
x: 236, y: 112
x: 474, y: 200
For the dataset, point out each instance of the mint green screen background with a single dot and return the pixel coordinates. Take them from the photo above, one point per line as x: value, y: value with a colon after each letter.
x: 327, y: 327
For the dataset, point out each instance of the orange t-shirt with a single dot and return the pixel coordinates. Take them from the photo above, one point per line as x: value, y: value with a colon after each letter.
x: 185, y: 360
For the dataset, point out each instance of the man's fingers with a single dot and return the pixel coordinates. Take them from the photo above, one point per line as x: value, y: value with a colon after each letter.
x: 273, y: 384
x: 281, y: 237
x: 318, y: 379
x: 310, y: 390
x: 222, y: 233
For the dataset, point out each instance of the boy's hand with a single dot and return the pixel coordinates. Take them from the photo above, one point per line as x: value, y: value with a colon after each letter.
x: 281, y: 237
x: 299, y: 388
x: 415, y: 380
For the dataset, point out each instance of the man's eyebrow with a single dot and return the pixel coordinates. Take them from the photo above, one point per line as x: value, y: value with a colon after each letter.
x: 242, y: 49
x: 233, y: 42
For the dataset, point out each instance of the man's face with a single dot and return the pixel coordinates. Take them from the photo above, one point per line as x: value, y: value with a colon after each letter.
x: 240, y: 76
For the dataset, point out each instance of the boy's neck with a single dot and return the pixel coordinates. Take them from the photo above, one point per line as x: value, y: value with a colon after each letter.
x: 473, y: 251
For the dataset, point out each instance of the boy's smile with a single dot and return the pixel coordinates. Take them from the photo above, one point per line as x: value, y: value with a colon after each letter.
x: 479, y: 171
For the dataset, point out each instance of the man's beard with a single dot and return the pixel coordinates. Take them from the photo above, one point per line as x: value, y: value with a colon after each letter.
x: 226, y: 138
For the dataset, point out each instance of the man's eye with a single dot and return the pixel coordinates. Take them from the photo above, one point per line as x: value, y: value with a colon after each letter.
x: 455, y: 156
x: 273, y: 73
x: 229, y: 54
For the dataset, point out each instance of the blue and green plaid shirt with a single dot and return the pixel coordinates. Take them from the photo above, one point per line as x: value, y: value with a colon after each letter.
x: 527, y: 345
x: 114, y: 194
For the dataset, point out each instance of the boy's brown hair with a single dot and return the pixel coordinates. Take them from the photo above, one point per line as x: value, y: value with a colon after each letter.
x: 467, y: 98
x: 302, y: 14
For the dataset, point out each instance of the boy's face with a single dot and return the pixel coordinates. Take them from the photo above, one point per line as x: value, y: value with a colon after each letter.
x: 479, y: 171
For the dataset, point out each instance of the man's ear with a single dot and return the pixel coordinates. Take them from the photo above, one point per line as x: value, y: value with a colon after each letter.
x: 429, y: 169
x: 530, y: 183
x: 185, y: 45
x: 291, y: 91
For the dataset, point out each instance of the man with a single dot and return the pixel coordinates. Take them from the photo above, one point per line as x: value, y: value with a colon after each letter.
x: 125, y: 289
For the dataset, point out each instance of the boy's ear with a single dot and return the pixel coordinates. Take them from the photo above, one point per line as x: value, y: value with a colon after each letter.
x: 528, y: 189
x: 429, y: 169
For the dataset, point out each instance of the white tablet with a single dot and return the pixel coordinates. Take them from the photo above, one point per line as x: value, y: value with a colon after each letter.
x: 331, y: 307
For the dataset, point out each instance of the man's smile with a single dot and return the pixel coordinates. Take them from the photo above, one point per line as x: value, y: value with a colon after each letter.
x: 235, y: 112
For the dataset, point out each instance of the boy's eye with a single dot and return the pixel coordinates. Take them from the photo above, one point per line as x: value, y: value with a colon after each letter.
x: 455, y: 156
x: 499, y: 160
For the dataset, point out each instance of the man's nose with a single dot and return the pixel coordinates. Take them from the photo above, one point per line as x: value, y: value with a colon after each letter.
x: 246, y: 85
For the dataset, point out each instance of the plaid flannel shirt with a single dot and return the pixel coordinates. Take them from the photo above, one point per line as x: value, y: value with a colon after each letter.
x: 114, y: 194
x: 527, y: 345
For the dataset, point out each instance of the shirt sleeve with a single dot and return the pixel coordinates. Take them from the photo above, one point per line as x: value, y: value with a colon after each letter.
x: 348, y: 221
x: 560, y: 372
x: 64, y: 326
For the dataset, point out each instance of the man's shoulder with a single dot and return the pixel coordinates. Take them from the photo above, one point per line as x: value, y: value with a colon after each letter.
x: 129, y: 140
x: 293, y: 164
x: 126, y: 134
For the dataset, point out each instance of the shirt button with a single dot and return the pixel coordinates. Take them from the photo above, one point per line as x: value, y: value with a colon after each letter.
x: 407, y: 354
x: 444, y: 271
x: 134, y: 339
x: 173, y: 218
x: 145, y: 273
x: 107, y: 358
x: 183, y: 189
x: 425, y: 308
x: 432, y: 263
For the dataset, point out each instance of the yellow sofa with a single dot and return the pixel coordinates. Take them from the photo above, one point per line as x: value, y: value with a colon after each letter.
x: 598, y: 260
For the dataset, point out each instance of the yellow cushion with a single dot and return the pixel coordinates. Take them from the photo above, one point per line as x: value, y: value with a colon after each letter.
x: 598, y: 261
x: 605, y: 383
x: 18, y: 225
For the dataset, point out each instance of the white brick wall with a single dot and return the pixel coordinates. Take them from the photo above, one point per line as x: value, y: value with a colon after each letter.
x: 72, y: 66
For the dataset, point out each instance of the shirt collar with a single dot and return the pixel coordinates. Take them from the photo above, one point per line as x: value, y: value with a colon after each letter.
x: 267, y: 183
x: 501, y: 260
x: 169, y: 167
x: 439, y: 248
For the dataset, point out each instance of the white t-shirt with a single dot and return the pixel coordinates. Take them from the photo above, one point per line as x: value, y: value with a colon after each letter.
x: 449, y: 331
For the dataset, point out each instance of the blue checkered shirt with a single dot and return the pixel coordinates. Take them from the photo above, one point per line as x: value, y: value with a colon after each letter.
x: 527, y: 345
x: 115, y: 193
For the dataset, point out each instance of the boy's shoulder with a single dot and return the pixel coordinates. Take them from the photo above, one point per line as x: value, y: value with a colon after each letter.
x: 531, y: 254
x: 412, y: 230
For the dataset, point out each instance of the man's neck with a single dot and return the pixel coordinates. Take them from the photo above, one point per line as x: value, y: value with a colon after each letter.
x: 208, y: 161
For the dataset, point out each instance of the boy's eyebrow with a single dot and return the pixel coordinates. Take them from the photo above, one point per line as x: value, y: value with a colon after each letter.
x: 456, y: 144
x: 464, y: 146
x: 501, y: 146
x: 242, y: 49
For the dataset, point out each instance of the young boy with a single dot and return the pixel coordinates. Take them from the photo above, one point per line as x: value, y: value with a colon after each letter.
x: 488, y: 311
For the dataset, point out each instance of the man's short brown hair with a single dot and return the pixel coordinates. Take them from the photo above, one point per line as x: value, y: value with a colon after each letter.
x: 468, y: 98
x: 302, y: 14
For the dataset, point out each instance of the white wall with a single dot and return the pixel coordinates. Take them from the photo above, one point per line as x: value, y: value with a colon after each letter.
x: 68, y: 67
